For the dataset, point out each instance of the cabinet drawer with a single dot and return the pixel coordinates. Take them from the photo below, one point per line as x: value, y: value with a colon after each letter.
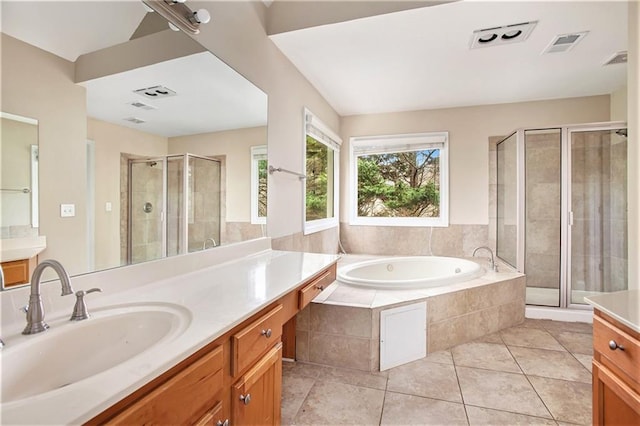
x: 627, y: 359
x: 213, y: 417
x: 15, y: 272
x: 253, y: 340
x: 182, y: 399
x: 315, y: 287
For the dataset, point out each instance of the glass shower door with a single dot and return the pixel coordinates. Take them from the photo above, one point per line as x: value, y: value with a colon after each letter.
x: 146, y: 210
x: 507, y: 200
x: 598, y: 218
x: 204, y: 203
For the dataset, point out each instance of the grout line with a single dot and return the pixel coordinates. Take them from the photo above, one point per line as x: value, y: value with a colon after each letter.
x: 455, y: 370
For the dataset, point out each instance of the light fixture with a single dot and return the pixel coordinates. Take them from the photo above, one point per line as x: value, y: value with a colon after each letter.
x: 178, y: 14
x: 505, y: 34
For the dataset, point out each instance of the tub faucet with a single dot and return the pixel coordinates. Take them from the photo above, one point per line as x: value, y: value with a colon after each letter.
x: 492, y: 261
x: 35, y: 312
x: 204, y: 245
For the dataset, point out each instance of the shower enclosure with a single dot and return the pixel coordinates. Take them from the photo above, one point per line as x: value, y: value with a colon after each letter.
x: 174, y: 206
x: 561, y: 218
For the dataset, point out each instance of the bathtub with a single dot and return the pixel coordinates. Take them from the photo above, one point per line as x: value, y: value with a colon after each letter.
x: 409, y: 272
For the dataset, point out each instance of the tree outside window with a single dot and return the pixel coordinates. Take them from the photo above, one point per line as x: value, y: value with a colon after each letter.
x: 319, y: 182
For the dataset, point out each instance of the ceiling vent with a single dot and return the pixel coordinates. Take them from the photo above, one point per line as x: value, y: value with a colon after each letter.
x: 142, y: 105
x: 502, y: 35
x: 564, y: 42
x: 134, y: 120
x: 617, y: 58
x: 155, y: 92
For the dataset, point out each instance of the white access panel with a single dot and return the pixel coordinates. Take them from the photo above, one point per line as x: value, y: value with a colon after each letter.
x: 403, y: 335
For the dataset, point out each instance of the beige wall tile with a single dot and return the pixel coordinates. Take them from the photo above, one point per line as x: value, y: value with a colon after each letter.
x: 340, y: 351
x: 343, y: 320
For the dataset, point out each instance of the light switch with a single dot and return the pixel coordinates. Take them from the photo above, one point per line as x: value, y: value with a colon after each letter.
x: 67, y: 210
x: 107, y: 206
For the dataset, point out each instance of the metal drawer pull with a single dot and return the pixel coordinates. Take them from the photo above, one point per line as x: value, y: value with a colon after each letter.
x: 221, y: 423
x: 320, y: 287
x: 613, y: 345
x: 246, y: 398
x: 266, y: 333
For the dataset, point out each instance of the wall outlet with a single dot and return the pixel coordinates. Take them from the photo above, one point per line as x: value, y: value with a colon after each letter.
x: 107, y: 206
x: 67, y: 210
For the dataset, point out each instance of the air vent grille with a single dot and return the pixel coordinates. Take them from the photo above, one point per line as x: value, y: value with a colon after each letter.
x: 564, y: 42
x: 155, y: 92
x: 134, y: 120
x: 506, y: 34
x: 617, y: 58
x: 142, y: 105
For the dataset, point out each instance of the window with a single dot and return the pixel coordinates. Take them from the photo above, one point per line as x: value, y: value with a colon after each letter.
x: 400, y: 180
x: 322, y: 148
x: 259, y: 184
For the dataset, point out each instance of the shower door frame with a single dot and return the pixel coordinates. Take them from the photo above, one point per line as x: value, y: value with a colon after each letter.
x: 163, y: 212
x: 565, y: 288
x: 567, y: 213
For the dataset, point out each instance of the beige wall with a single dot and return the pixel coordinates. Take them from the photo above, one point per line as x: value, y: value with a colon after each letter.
x: 235, y: 145
x: 469, y: 130
x: 633, y: 155
x: 110, y: 141
x: 40, y: 85
x: 619, y: 104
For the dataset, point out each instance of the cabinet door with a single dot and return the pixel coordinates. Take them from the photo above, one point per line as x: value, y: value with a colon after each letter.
x: 256, y: 396
x: 614, y: 402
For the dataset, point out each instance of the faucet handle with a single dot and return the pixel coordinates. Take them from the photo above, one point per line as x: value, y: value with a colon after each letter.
x: 80, y: 308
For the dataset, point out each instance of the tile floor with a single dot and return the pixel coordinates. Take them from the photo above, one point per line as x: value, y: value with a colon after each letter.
x: 536, y: 373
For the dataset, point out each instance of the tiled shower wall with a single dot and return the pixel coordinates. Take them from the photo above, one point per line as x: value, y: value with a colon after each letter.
x: 454, y: 240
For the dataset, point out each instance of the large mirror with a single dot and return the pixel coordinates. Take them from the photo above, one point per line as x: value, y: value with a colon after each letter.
x: 149, y: 146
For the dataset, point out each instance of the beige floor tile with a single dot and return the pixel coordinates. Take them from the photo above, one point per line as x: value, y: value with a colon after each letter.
x: 568, y: 401
x: 585, y: 360
x: 530, y: 338
x: 490, y: 338
x: 532, y: 323
x: 485, y: 355
x: 553, y: 364
x: 441, y: 357
x: 486, y: 416
x: 294, y: 391
x: 376, y: 380
x: 501, y: 391
x: 575, y: 327
x: 302, y: 369
x: 340, y: 404
x: 428, y: 379
x: 578, y: 343
x: 401, y: 409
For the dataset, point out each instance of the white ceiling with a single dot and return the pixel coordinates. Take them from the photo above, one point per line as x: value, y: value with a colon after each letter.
x: 211, y: 96
x: 420, y: 58
x: 71, y: 28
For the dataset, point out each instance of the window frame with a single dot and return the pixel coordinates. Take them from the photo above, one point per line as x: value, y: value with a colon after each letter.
x: 323, y: 134
x: 256, y: 153
x: 401, y: 140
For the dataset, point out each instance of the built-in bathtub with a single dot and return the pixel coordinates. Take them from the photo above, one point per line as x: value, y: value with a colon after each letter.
x: 413, y: 272
x: 341, y: 327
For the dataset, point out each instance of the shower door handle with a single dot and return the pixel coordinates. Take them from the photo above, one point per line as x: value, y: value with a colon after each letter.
x: 570, y: 218
x: 162, y: 216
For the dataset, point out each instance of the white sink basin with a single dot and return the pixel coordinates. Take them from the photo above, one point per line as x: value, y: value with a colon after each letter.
x: 72, y: 351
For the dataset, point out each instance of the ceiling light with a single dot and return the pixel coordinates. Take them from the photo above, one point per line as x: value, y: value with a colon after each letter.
x: 564, y: 42
x: 502, y: 35
x: 617, y: 58
x: 178, y: 14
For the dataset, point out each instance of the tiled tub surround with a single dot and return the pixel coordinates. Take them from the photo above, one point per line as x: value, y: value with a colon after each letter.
x: 220, y: 288
x: 341, y: 327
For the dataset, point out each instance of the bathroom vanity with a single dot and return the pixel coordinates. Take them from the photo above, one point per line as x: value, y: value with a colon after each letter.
x: 616, y: 358
x: 230, y: 315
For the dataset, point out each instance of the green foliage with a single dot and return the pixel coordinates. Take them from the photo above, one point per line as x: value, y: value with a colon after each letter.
x: 402, y: 184
x: 319, y: 165
x: 262, y: 188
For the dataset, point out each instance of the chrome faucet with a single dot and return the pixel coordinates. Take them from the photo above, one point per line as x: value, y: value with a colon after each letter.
x: 80, y: 309
x: 204, y: 245
x: 492, y: 261
x: 35, y: 312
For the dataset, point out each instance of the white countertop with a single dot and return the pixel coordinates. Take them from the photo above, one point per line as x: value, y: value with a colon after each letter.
x: 622, y: 305
x: 218, y: 298
x: 21, y: 248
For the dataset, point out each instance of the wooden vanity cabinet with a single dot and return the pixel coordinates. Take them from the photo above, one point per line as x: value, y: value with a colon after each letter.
x: 616, y: 372
x: 17, y: 272
x: 235, y: 380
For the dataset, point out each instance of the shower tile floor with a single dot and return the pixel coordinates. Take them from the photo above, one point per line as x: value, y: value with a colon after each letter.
x: 536, y: 373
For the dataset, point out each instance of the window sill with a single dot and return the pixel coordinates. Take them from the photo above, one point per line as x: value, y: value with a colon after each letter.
x: 320, y: 225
